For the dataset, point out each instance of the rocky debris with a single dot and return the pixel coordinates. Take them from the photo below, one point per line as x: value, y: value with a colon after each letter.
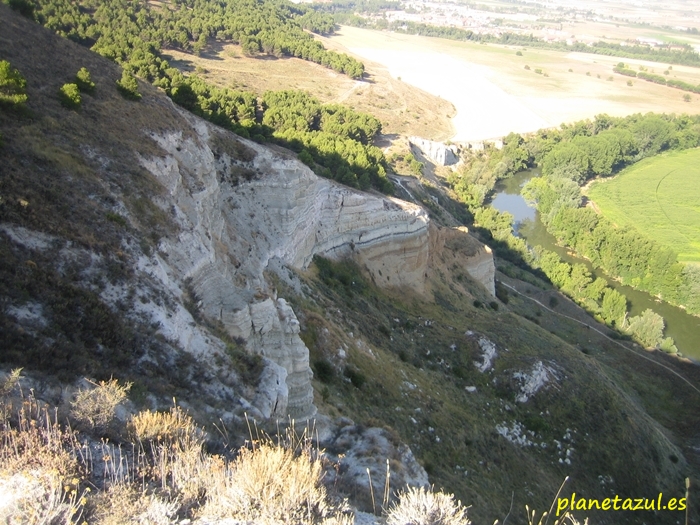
x: 355, y: 449
x: 488, y: 355
x: 531, y: 382
x: 438, y: 152
x: 516, y: 433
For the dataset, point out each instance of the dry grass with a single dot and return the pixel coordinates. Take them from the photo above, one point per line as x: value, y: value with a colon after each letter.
x: 402, y: 108
x: 39, y: 476
x: 123, y: 503
x: 565, y: 519
x: 276, y: 483
x: 162, y: 476
x: 420, y: 506
x: 170, y: 427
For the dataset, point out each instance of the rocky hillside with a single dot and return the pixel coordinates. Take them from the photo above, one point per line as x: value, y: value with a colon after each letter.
x: 140, y: 242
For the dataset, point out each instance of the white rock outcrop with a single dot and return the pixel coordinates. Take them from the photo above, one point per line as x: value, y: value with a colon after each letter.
x: 438, y: 152
x: 239, y: 205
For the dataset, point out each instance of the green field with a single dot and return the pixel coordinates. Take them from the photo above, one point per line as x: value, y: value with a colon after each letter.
x: 660, y: 197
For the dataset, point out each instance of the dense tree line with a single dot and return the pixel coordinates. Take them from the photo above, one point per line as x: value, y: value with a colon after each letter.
x: 133, y: 33
x: 332, y: 139
x: 479, y: 174
x: 569, y: 156
x: 601, y: 148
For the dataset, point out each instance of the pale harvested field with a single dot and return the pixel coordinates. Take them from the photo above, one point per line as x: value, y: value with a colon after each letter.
x: 494, y: 94
x: 401, y: 107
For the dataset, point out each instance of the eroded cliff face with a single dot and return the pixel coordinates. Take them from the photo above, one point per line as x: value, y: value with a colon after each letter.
x: 437, y: 152
x: 454, y: 247
x: 239, y: 205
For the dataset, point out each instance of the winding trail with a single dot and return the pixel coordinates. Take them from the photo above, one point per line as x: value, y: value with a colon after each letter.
x: 691, y: 385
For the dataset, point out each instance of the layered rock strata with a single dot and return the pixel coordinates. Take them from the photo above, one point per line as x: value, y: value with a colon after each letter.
x: 238, y: 205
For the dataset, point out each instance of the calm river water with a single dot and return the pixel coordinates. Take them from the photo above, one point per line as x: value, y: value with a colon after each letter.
x: 684, y: 328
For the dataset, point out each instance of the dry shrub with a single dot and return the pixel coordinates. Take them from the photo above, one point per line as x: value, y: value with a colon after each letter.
x: 163, y: 427
x: 7, y: 386
x: 95, y: 407
x: 10, y: 382
x: 38, y: 474
x: 171, y: 458
x: 271, y: 483
x: 425, y: 507
x: 123, y: 503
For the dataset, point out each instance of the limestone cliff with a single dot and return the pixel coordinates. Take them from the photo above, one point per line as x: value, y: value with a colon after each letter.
x: 238, y: 205
x: 437, y: 152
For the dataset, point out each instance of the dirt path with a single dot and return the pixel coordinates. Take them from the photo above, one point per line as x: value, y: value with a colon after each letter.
x: 592, y: 327
x: 353, y: 88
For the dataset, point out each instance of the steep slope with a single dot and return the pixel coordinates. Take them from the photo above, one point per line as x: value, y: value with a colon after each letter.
x: 227, y: 207
x: 139, y: 241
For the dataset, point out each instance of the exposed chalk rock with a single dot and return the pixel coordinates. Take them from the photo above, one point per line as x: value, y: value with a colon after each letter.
x: 452, y: 247
x: 239, y: 205
x: 272, y: 395
x: 438, y: 152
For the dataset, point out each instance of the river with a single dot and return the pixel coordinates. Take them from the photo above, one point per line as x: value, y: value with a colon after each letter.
x: 684, y: 328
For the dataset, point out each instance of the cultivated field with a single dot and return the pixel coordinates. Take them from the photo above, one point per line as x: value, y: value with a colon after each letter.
x: 665, y: 203
x: 494, y: 93
x: 401, y: 107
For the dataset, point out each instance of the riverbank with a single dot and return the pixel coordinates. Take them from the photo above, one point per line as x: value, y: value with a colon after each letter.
x: 683, y: 327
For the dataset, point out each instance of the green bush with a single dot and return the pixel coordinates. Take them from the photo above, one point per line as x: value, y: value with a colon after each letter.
x: 128, y: 86
x: 69, y: 95
x: 324, y: 371
x: 13, y: 86
x: 356, y: 377
x: 83, y: 81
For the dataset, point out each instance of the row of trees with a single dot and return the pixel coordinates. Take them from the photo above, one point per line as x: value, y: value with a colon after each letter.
x: 601, y: 148
x: 622, y: 69
x: 334, y: 140
x: 575, y: 280
x: 605, y: 302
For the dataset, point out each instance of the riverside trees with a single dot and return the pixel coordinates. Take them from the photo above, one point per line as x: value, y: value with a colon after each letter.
x: 569, y: 157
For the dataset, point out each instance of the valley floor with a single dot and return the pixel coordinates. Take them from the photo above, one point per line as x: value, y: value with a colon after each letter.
x: 495, y: 94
